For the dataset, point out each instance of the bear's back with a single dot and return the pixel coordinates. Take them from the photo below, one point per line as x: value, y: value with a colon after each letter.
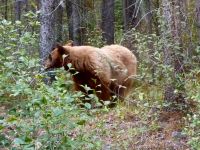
x: 122, y: 54
x: 81, y: 51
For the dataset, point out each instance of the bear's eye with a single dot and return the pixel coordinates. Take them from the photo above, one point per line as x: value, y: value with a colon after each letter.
x: 50, y: 58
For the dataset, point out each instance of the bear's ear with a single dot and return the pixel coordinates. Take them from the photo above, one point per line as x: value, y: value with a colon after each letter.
x: 69, y: 43
x: 61, y: 49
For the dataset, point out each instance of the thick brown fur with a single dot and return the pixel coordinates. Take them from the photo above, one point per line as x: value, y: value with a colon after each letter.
x: 108, y: 70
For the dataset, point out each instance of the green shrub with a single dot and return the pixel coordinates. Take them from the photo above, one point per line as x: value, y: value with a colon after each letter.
x: 42, y: 116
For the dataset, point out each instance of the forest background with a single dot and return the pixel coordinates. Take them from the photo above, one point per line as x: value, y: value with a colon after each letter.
x: 161, y: 112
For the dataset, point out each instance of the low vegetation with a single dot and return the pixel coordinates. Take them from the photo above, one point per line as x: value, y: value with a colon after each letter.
x: 35, y: 115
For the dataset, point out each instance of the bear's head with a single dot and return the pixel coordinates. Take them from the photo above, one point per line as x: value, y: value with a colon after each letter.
x: 55, y: 58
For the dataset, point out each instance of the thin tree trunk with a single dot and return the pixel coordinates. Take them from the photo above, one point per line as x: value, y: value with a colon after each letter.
x: 172, y: 56
x: 20, y: 6
x: 47, y: 34
x: 198, y: 17
x: 17, y: 10
x: 38, y: 5
x: 148, y: 18
x: 59, y: 22
x: 25, y: 3
x: 168, y: 54
x: 108, y: 21
x: 149, y: 26
x: 69, y: 17
x: 76, y: 19
x: 156, y: 18
x: 130, y: 13
x: 6, y: 10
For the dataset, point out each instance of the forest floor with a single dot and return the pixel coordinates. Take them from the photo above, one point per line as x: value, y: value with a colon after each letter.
x: 122, y: 129
x: 119, y: 128
x: 3, y: 109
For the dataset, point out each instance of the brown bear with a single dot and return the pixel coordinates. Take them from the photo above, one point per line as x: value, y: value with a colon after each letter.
x: 108, y: 70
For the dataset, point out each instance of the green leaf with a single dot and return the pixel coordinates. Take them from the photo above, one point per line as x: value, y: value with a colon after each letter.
x: 69, y: 65
x: 141, y: 96
x: 12, y: 119
x: 81, y: 122
x: 1, y: 127
x: 88, y: 105
x: 91, y: 96
x: 107, y: 103
x: 70, y: 99
x: 18, y: 22
x: 18, y: 141
x: 37, y: 114
x: 58, y: 111
x: 28, y: 139
x: 44, y: 100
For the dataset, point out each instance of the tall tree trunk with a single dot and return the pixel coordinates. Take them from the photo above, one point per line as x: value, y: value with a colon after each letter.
x: 59, y: 22
x: 149, y: 25
x: 6, y: 10
x: 69, y: 17
x: 17, y: 10
x: 156, y: 5
x: 172, y: 14
x: 76, y: 20
x: 108, y: 19
x: 38, y: 3
x: 20, y: 5
x: 26, y: 6
x: 47, y: 34
x: 148, y: 18
x: 130, y: 13
x: 198, y: 17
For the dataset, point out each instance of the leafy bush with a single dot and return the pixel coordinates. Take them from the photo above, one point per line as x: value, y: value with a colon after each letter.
x: 42, y: 117
x: 193, y: 119
x: 18, y: 63
x: 49, y: 120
